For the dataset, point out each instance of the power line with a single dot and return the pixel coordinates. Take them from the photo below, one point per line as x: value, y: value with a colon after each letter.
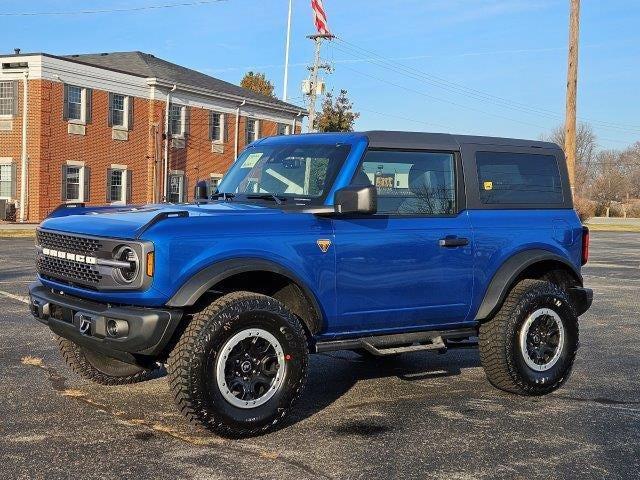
x: 457, y: 88
x: 111, y: 10
x: 432, y: 97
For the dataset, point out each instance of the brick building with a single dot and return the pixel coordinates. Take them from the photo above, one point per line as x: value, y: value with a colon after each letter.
x: 95, y: 129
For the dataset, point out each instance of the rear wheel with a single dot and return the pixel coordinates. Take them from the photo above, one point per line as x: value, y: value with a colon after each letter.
x: 529, y: 346
x: 240, y: 365
x: 102, y: 369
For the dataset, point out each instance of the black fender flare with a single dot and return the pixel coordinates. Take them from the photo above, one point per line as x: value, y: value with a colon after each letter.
x: 507, y: 274
x: 189, y: 293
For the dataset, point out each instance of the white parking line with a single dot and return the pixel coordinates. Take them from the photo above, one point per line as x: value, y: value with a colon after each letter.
x: 20, y: 298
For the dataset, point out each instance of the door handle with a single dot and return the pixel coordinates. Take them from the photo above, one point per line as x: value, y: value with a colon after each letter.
x: 452, y: 242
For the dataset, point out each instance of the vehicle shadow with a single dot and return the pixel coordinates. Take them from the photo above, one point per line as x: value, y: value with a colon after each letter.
x: 332, y: 375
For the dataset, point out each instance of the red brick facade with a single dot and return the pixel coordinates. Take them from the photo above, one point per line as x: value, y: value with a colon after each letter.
x: 50, y: 146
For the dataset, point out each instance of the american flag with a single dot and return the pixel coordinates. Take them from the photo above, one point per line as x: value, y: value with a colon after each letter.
x: 320, y: 17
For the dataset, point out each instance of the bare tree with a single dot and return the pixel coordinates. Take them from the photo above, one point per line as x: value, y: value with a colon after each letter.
x: 586, y: 151
x: 611, y: 183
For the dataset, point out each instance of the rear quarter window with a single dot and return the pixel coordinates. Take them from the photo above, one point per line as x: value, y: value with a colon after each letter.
x: 518, y: 178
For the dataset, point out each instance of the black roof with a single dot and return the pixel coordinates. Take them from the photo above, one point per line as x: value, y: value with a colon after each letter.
x: 148, y: 66
x: 444, y: 141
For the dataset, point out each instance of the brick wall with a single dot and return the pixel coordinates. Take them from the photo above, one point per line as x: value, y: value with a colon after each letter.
x: 50, y: 146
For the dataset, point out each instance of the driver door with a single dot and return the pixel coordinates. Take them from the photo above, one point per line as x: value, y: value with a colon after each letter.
x: 409, y: 265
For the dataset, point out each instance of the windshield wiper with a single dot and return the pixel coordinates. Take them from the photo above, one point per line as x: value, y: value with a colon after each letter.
x: 269, y: 196
x: 225, y: 196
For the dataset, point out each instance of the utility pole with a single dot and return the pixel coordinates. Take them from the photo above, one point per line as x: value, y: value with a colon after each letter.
x: 572, y: 90
x: 286, y: 55
x: 313, y: 81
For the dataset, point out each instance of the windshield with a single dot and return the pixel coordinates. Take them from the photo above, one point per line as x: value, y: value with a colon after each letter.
x: 303, y: 173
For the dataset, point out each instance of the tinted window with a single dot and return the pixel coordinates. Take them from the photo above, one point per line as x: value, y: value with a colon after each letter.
x: 410, y: 183
x: 518, y: 178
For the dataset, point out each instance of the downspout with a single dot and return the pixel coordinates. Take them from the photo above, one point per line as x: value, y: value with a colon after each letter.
x: 23, y: 170
x: 165, y: 169
x: 238, y: 126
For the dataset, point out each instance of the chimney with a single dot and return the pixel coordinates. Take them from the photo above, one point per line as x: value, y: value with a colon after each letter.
x: 16, y: 51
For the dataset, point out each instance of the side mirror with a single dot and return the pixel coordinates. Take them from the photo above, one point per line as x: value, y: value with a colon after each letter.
x: 200, y: 191
x: 356, y: 199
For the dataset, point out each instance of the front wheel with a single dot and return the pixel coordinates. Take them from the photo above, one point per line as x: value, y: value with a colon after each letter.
x: 239, y: 365
x: 529, y: 346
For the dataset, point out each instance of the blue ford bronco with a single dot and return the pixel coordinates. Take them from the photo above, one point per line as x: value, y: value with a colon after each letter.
x: 378, y: 242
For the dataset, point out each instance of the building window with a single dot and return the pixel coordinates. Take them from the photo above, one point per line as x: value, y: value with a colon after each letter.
x: 176, y: 119
x: 7, y: 98
x: 75, y: 182
x: 118, y: 185
x: 118, y: 110
x: 175, y: 192
x: 74, y: 102
x: 216, y: 127
x: 251, y: 130
x: 214, y: 181
x: 7, y: 180
x: 283, y: 129
x: 77, y: 104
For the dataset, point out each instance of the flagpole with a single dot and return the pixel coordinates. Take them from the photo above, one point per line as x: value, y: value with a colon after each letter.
x: 286, y: 55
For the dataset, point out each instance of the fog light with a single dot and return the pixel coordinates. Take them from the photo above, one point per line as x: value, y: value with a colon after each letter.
x: 117, y: 328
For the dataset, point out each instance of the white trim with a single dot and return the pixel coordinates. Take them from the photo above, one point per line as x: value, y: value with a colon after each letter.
x: 116, y: 166
x: 74, y: 163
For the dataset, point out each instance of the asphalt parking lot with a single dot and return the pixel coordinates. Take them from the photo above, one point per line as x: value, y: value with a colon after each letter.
x: 422, y: 415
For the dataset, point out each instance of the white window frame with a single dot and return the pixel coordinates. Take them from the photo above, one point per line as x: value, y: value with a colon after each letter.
x: 256, y: 130
x: 83, y: 106
x: 81, y: 193
x: 123, y: 187
x: 222, y: 128
x: 12, y: 97
x: 287, y: 128
x: 125, y: 113
x: 183, y: 113
x: 12, y: 181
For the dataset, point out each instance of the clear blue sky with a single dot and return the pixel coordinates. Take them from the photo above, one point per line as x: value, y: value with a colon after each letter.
x: 511, y: 49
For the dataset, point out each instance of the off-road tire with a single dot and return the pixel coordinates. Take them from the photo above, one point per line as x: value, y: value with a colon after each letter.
x: 102, y: 369
x: 500, y: 351
x: 191, y: 365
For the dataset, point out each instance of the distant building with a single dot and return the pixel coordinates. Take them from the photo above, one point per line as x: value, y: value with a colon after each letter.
x: 95, y: 126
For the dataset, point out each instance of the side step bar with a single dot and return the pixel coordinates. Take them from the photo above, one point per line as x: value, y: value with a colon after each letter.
x: 382, y: 345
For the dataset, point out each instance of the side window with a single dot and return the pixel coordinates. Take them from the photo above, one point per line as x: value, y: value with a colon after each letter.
x: 518, y: 178
x: 409, y: 182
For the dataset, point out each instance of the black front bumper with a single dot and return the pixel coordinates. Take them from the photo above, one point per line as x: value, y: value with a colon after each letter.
x: 147, y: 332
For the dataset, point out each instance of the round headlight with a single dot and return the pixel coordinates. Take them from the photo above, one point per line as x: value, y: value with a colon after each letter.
x: 125, y: 253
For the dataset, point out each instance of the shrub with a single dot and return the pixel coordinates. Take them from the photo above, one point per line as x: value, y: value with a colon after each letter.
x: 633, y: 210
x: 585, y: 208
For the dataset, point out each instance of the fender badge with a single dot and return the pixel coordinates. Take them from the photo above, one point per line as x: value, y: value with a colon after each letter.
x: 324, y: 244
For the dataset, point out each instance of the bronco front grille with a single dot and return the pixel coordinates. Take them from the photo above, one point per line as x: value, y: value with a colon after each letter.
x: 68, y: 243
x: 72, y: 271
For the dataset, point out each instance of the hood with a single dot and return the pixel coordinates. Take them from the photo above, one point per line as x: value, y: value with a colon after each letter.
x: 128, y: 222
